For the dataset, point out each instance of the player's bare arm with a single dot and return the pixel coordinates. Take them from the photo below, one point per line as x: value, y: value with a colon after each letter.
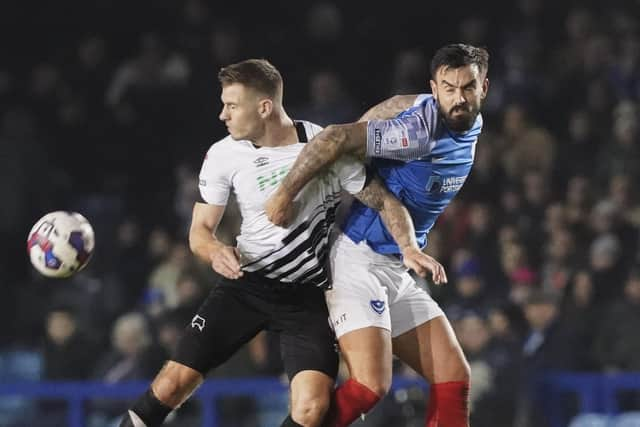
x: 398, y: 222
x: 324, y: 149
x: 203, y: 243
x: 389, y: 108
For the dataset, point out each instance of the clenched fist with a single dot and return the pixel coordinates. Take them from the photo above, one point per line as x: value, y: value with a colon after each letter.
x: 280, y: 208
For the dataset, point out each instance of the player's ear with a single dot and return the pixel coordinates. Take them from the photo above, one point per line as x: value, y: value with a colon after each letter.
x: 434, y: 88
x: 265, y: 108
x: 485, y: 88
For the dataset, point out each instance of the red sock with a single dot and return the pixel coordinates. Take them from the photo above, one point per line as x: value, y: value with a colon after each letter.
x: 349, y: 401
x: 448, y: 404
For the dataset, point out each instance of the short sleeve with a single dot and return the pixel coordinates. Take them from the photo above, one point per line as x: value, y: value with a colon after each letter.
x: 405, y: 138
x: 421, y: 99
x: 214, y: 181
x: 351, y: 173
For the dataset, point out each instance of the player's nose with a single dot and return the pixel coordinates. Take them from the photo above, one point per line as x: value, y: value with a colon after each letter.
x: 459, y: 97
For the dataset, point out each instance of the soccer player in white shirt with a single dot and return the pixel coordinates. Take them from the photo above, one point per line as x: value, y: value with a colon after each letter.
x: 276, y: 276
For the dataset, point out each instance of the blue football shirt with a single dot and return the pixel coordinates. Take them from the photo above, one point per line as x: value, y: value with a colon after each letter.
x: 422, y: 162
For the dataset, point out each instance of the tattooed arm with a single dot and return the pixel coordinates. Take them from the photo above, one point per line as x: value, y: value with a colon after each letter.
x: 324, y: 149
x: 398, y: 222
x: 337, y: 140
x: 389, y: 107
x: 393, y: 213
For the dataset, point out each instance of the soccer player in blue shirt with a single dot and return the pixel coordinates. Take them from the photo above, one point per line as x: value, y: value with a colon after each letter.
x: 423, y: 148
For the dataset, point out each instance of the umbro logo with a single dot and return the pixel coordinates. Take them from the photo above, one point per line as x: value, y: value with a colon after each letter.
x: 261, y: 161
x: 377, y: 305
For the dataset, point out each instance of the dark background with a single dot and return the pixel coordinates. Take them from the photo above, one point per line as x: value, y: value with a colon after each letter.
x: 107, y: 108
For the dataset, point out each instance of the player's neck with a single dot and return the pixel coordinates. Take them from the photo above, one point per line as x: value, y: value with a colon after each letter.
x: 279, y: 131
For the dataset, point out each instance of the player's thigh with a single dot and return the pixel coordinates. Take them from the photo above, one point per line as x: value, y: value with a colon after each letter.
x: 367, y: 353
x: 227, y: 319
x: 175, y: 382
x: 412, y: 306
x: 307, y: 342
x: 358, y: 305
x: 360, y: 295
x: 433, y: 351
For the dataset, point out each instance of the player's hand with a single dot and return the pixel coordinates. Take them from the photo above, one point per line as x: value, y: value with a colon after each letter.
x: 280, y: 208
x: 422, y: 264
x: 225, y: 260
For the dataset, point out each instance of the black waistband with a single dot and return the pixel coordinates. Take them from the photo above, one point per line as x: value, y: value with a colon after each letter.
x: 265, y: 283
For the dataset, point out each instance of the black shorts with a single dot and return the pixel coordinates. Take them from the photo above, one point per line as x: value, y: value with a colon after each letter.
x: 236, y: 310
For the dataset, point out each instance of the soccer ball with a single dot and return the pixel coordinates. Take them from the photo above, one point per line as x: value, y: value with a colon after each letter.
x: 60, y: 244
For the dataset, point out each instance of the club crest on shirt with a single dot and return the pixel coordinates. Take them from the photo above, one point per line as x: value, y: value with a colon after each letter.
x: 377, y: 305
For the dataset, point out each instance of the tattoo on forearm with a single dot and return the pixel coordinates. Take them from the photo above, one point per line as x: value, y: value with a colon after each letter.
x: 399, y: 224
x: 323, y: 150
x: 394, y: 215
x: 372, y: 195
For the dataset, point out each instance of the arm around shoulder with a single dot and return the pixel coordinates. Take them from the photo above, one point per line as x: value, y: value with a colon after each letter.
x: 349, y: 139
x: 323, y: 150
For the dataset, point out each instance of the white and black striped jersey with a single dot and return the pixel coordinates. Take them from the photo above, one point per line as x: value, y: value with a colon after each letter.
x: 294, y: 254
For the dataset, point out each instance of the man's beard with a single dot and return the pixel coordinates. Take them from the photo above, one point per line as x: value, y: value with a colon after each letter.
x: 462, y: 122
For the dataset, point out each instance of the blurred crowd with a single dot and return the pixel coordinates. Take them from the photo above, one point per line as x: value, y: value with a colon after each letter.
x: 111, y: 117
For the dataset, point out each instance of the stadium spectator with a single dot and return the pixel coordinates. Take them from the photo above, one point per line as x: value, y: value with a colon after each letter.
x: 616, y: 344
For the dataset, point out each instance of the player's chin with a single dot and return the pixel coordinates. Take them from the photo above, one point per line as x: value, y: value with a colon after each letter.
x: 235, y: 134
x: 460, y: 122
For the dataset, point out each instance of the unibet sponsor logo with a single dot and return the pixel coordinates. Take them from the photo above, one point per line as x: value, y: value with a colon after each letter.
x: 445, y: 184
x: 272, y: 178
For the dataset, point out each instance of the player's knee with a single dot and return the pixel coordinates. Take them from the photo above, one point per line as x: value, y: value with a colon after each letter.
x: 457, y: 369
x: 168, y: 390
x: 380, y: 388
x: 465, y: 370
x: 310, y: 411
x: 174, y: 384
x: 378, y: 384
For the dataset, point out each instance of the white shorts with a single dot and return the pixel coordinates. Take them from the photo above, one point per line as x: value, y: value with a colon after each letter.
x: 371, y: 289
